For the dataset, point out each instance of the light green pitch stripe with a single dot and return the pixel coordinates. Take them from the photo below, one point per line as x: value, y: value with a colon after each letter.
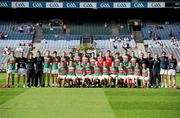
x: 58, y: 103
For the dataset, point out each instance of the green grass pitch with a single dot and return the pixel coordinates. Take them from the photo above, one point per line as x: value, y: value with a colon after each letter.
x: 89, y: 103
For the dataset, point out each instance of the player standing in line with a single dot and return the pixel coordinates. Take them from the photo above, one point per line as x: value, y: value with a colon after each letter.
x: 137, y: 74
x: 97, y: 73
x: 93, y: 59
x: 100, y: 59
x: 145, y: 76
x: 122, y: 75
x: 125, y: 58
x: 89, y: 74
x: 133, y: 59
x: 108, y: 59
x: 62, y: 76
x: 71, y: 57
x: 55, y: 70
x: 64, y: 59
x: 150, y: 66
x: 85, y: 59
x: 21, y: 69
x: 114, y: 72
x: 172, y: 71
x: 105, y: 79
x: 117, y: 60
x: 164, y: 69
x: 71, y: 74
x: 80, y: 75
x: 47, y: 67
x: 11, y: 66
x: 130, y: 75
x: 77, y: 58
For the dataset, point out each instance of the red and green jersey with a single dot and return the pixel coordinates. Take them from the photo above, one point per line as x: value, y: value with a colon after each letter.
x: 137, y: 71
x: 89, y: 70
x: 130, y: 71
x: 85, y: 60
x: 113, y: 70
x: 79, y: 70
x: 109, y: 60
x: 97, y: 70
x: 63, y: 71
x: 47, y: 61
x: 100, y: 61
x: 145, y: 72
x: 105, y: 70
x: 71, y: 70
x: 122, y: 71
x: 92, y: 61
x: 133, y: 61
x: 125, y: 58
x: 12, y: 63
x: 117, y: 62
x: 55, y: 62
x: 64, y: 60
x: 77, y: 59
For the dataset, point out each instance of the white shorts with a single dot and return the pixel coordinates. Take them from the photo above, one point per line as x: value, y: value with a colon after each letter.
x: 130, y: 76
x: 73, y: 77
x: 55, y: 71
x: 105, y: 76
x: 171, y: 72
x: 113, y: 76
x: 47, y: 70
x: 122, y: 76
x: 145, y: 78
x: 22, y: 71
x: 163, y: 71
x: 9, y: 71
x: 136, y: 76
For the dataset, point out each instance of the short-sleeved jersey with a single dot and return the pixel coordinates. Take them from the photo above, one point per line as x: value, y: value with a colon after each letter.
x: 12, y: 63
x: 47, y: 61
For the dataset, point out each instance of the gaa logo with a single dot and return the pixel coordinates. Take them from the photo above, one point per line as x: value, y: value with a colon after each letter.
x: 3, y: 4
x: 156, y: 5
x: 138, y: 5
x: 87, y: 5
x: 71, y: 5
x: 20, y: 4
x: 121, y: 5
x: 37, y: 5
x: 54, y: 5
x: 105, y: 5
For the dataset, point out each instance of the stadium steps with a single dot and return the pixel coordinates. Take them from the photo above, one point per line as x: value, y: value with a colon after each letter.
x: 138, y: 36
x: 36, y: 46
x: 141, y: 48
x: 38, y: 35
x: 114, y: 28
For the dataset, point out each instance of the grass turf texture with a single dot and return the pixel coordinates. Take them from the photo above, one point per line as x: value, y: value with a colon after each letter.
x: 89, y: 103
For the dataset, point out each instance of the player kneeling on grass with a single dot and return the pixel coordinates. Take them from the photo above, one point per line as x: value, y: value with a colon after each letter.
x: 21, y: 68
x: 114, y: 72
x: 97, y: 73
x: 172, y: 71
x: 130, y: 75
x: 122, y: 75
x: 80, y: 72
x: 106, y: 79
x: 47, y: 67
x: 62, y: 75
x: 89, y: 74
x: 11, y: 64
x: 55, y: 70
x: 137, y: 74
x: 71, y: 74
x: 145, y: 76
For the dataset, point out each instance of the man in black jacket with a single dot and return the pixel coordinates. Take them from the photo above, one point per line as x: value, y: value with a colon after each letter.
x: 150, y: 66
x: 164, y: 69
x: 156, y: 71
x: 172, y: 71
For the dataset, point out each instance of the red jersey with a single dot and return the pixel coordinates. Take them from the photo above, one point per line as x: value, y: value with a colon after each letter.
x: 100, y: 61
x: 109, y: 61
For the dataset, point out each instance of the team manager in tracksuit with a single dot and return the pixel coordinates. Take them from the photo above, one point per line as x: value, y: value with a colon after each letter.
x: 39, y: 60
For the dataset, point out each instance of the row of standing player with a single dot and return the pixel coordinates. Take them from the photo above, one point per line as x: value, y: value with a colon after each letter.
x: 127, y: 68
